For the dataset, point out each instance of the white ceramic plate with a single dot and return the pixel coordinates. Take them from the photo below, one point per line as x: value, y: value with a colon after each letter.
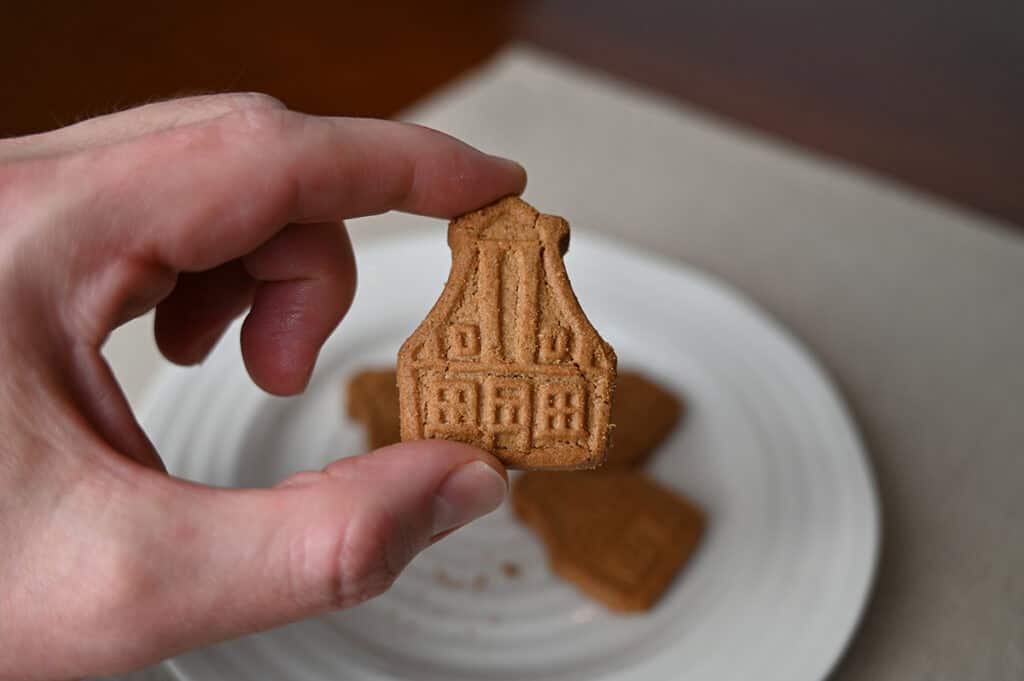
x: 774, y: 592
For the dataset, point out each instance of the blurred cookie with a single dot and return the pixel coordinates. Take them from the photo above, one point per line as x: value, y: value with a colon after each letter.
x: 643, y: 415
x: 372, y: 399
x: 620, y: 537
x: 507, y: 360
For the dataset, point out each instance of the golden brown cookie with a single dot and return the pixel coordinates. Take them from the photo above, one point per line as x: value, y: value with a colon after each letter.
x: 506, y: 360
x: 643, y: 415
x: 620, y: 537
x: 373, y: 401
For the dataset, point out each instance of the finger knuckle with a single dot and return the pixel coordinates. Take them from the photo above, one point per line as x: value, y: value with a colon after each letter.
x: 241, y: 101
x: 255, y: 128
x: 363, y: 561
x: 259, y: 125
x: 198, y: 108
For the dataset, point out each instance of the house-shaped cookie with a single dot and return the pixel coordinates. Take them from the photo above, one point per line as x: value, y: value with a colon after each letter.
x: 616, y: 534
x: 506, y: 360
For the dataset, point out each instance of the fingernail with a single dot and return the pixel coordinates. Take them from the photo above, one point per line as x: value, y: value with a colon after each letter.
x: 514, y: 166
x: 472, y: 490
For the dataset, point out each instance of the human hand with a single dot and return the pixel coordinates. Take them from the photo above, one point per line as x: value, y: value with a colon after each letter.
x: 200, y: 208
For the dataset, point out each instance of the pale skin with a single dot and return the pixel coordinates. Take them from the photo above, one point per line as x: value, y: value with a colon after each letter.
x: 203, y: 208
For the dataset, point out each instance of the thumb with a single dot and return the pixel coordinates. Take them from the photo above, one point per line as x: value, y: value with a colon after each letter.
x: 236, y: 561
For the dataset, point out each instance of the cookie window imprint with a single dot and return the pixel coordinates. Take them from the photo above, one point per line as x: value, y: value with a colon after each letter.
x: 561, y: 412
x: 452, y: 409
x: 463, y: 340
x: 554, y: 344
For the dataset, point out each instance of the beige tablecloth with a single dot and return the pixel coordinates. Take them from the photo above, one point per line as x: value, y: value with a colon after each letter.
x: 915, y: 306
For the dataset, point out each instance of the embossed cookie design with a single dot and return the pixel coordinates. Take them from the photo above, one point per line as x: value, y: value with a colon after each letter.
x: 620, y: 537
x: 506, y: 360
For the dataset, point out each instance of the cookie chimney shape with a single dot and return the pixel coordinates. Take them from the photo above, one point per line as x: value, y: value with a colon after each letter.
x: 506, y: 360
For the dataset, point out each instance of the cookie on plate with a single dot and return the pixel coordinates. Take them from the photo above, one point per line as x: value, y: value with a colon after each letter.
x: 619, y: 536
x: 372, y: 400
x: 643, y: 415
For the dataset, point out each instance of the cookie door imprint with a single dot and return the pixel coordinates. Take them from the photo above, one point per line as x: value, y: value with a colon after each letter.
x: 506, y: 360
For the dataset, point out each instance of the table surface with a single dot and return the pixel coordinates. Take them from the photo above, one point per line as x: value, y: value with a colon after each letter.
x: 913, y: 305
x: 929, y: 93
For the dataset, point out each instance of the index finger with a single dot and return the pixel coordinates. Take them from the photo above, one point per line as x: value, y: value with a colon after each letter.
x: 197, y: 196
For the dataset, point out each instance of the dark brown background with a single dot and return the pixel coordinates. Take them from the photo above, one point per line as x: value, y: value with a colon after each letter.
x: 929, y: 92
